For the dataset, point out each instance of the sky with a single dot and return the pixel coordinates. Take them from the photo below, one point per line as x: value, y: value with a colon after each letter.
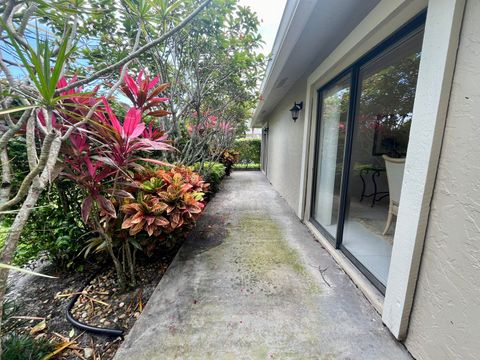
x: 269, y: 13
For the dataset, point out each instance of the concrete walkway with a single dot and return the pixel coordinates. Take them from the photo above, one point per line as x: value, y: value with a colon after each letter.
x: 246, y: 285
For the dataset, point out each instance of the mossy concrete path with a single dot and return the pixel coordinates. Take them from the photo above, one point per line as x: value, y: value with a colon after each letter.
x: 247, y: 285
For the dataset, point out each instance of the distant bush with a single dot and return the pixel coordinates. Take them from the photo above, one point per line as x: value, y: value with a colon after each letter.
x: 249, y: 150
x: 229, y: 158
x: 213, y: 173
x: 247, y: 166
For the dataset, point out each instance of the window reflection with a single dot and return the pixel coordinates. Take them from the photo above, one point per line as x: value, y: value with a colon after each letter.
x: 334, y: 102
x: 381, y: 127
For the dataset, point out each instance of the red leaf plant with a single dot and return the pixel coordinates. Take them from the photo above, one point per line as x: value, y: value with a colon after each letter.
x: 229, y: 158
x: 103, y: 156
x: 144, y: 94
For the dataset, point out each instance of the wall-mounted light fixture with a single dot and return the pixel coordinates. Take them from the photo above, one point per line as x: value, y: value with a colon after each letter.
x: 296, y: 109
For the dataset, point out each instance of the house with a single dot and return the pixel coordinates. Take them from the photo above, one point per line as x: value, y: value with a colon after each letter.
x: 383, y: 163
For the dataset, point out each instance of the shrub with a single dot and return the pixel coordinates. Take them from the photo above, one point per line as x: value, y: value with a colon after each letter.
x: 229, y: 158
x: 249, y: 150
x: 247, y: 166
x: 212, y: 172
x: 167, y: 203
x: 55, y: 225
x: 102, y: 154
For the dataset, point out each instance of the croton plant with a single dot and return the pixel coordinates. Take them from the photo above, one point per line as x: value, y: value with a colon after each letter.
x: 108, y: 158
x: 167, y: 201
x: 229, y: 158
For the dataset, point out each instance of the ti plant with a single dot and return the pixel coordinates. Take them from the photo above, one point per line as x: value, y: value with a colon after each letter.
x: 102, y: 155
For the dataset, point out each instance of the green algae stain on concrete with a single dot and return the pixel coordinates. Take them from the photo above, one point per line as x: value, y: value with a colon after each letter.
x: 265, y: 260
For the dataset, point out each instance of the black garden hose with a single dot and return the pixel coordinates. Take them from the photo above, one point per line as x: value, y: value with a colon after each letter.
x: 85, y: 327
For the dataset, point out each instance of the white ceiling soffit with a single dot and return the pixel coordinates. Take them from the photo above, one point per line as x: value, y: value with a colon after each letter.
x: 309, y: 31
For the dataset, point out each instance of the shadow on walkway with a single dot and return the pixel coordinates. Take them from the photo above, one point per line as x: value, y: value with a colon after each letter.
x: 247, y: 285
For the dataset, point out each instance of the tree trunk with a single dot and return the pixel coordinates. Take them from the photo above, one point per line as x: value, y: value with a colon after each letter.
x: 38, y: 185
x: 6, y: 176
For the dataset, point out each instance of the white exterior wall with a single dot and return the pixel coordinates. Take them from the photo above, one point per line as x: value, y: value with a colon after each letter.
x: 445, y: 320
x: 285, y: 143
x: 446, y: 300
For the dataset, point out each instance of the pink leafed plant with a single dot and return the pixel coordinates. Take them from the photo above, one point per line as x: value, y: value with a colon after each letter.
x: 103, y: 154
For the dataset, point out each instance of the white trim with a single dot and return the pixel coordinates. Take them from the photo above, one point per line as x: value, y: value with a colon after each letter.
x: 442, y: 32
x: 278, y: 45
x: 294, y: 20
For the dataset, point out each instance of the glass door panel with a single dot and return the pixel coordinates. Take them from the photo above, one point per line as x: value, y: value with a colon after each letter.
x: 334, y: 107
x: 383, y: 115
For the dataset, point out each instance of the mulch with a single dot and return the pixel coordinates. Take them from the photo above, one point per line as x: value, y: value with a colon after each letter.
x: 40, y: 305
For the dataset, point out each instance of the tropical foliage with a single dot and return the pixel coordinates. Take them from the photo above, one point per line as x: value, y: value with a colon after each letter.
x: 90, y: 130
x: 213, y: 173
x: 167, y: 202
x: 102, y: 155
x: 229, y: 158
x: 21, y: 347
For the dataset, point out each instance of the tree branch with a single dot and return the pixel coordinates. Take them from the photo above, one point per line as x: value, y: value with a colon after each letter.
x: 42, y: 162
x: 109, y: 93
x: 137, y: 53
x: 26, y: 17
x: 13, y: 129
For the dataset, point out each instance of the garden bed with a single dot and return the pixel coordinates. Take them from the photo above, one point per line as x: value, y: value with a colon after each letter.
x: 41, y: 304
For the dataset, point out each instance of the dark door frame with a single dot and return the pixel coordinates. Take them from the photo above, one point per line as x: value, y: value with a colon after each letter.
x: 264, y: 150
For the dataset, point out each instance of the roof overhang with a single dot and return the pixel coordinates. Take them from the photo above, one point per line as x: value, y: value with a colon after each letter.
x: 309, y: 31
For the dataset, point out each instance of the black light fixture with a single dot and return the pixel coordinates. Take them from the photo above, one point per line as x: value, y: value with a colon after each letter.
x: 296, y: 109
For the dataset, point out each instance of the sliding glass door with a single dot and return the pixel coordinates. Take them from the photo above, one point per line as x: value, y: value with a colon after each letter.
x: 335, y: 103
x: 362, y: 137
x: 381, y: 127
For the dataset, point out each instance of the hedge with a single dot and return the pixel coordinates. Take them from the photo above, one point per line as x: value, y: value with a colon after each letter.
x: 249, y: 149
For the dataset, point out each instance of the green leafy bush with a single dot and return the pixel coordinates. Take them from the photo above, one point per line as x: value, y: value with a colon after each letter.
x: 25, y: 347
x: 213, y: 173
x: 249, y: 150
x: 55, y: 226
x: 251, y: 166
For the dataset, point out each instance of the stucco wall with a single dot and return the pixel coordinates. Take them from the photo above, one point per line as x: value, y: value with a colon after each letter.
x: 285, y: 139
x: 445, y: 321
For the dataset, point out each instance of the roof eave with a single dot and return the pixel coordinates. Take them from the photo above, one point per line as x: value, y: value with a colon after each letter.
x: 294, y: 19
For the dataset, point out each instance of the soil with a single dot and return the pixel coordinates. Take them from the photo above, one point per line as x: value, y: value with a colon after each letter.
x: 42, y: 301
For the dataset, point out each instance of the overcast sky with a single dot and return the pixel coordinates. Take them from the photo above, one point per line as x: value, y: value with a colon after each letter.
x: 269, y: 13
